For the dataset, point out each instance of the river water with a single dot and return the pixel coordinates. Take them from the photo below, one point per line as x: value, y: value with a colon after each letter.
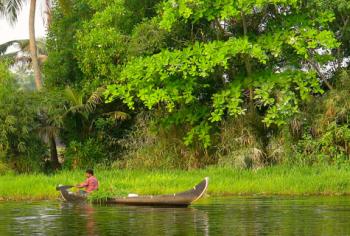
x: 211, y: 216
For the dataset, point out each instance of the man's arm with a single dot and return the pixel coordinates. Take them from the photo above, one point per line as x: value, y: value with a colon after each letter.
x: 82, y: 185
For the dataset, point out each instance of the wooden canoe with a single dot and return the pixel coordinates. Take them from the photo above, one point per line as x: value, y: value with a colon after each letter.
x: 182, y: 199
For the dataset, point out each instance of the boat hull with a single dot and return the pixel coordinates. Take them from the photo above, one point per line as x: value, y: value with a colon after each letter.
x: 182, y: 199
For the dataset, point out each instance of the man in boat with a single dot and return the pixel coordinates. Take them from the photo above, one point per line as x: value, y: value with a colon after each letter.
x: 90, y: 184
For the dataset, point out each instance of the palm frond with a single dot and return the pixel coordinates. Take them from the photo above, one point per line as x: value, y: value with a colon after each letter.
x: 23, y: 45
x: 5, y: 46
x: 74, y: 97
x: 10, y: 9
x: 94, y: 100
x: 21, y: 56
x: 118, y: 115
x: 2, y: 7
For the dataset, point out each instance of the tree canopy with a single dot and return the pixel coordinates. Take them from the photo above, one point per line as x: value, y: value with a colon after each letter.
x: 186, y: 82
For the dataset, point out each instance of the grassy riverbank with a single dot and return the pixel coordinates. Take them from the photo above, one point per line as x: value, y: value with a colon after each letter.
x: 281, y: 180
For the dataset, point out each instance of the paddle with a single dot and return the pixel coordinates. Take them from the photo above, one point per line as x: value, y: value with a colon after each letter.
x: 63, y: 187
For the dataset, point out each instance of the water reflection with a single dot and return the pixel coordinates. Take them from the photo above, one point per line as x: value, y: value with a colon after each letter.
x: 81, y: 220
x: 126, y: 220
x: 225, y: 216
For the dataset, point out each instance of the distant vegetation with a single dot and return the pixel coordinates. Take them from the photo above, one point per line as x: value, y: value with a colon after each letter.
x: 164, y: 85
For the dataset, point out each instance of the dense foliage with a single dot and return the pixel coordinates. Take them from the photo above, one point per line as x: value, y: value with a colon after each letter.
x: 20, y: 144
x: 199, y: 84
x: 185, y: 83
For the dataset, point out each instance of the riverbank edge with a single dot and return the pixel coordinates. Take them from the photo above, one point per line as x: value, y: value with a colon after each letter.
x: 268, y: 181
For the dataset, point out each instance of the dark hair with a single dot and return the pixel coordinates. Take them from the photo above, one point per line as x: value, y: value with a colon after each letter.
x: 89, y: 171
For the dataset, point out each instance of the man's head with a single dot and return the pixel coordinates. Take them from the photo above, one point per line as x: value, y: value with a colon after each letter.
x: 89, y: 173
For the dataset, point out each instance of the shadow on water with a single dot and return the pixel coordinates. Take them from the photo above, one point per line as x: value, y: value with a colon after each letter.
x: 218, y: 216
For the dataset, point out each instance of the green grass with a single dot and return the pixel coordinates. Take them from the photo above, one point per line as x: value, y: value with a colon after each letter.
x: 279, y: 180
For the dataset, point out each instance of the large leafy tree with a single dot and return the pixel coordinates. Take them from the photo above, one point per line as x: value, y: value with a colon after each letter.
x: 106, y: 37
x: 193, y: 63
x: 61, y: 68
x: 267, y: 53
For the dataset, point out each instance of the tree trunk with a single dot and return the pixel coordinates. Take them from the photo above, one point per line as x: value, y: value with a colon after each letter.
x: 32, y: 45
x: 53, y: 153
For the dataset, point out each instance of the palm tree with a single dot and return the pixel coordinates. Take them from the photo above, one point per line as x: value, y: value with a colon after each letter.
x: 22, y: 53
x: 21, y: 61
x: 49, y: 129
x: 32, y: 45
x: 10, y: 9
x: 85, y: 111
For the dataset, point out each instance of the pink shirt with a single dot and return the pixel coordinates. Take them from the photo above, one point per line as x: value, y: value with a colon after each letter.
x: 90, y: 184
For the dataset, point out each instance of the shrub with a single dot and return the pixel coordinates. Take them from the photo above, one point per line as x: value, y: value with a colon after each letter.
x: 149, y: 148
x: 20, y: 144
x: 240, y: 144
x: 4, y: 168
x: 84, y: 154
x: 325, y: 135
x: 333, y: 145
